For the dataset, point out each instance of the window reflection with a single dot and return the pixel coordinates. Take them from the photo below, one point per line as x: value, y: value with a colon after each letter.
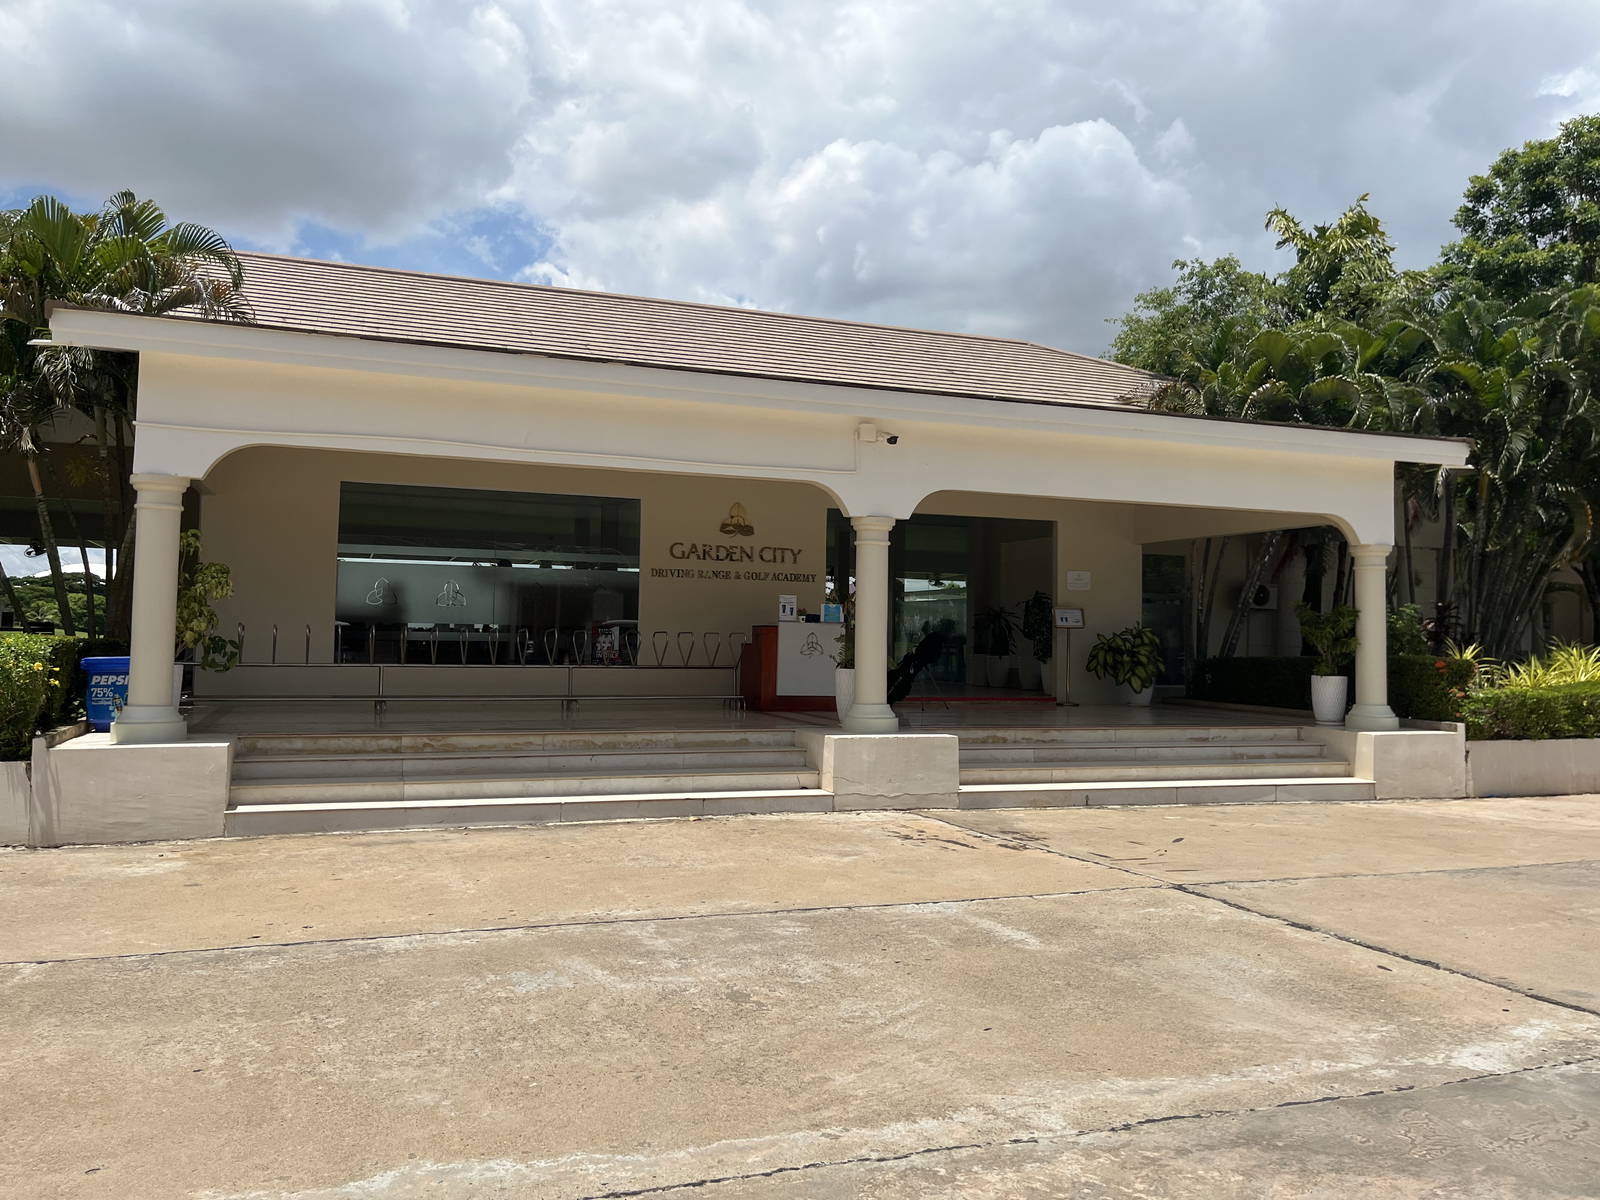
x: 458, y: 575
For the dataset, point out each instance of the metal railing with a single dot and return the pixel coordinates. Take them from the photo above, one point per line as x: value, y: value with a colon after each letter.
x: 569, y: 651
x: 512, y: 646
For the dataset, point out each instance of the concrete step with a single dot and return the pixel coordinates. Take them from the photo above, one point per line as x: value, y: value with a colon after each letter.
x: 1112, y: 772
x: 255, y: 746
x: 1281, y: 790
x: 258, y: 819
x: 519, y: 763
x: 1136, y: 734
x: 1066, y: 755
x: 403, y: 790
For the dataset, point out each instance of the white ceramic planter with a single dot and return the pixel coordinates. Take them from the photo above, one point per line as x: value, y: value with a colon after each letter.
x: 844, y: 689
x: 1328, y: 698
x: 1142, y: 699
x: 997, y: 669
x: 1030, y: 673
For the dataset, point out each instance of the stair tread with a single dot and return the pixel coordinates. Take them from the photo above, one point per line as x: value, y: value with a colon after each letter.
x: 1136, y: 764
x: 1156, y: 772
x: 1145, y: 784
x: 482, y: 777
x: 1087, y: 745
x: 564, y: 752
x: 513, y: 801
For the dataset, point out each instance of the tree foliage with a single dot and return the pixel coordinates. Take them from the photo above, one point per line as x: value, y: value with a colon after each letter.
x: 1532, y: 222
x: 1499, y: 343
x: 127, y: 257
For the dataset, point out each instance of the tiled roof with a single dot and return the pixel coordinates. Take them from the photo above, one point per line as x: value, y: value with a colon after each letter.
x: 312, y: 296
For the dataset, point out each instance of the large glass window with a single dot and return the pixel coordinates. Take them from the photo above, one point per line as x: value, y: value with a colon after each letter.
x: 459, y: 575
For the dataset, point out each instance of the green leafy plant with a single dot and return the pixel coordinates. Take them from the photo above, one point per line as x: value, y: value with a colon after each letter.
x: 1038, y: 624
x: 1564, y: 664
x: 995, y: 630
x: 1406, y: 635
x: 1428, y: 687
x: 30, y: 683
x: 1332, y: 636
x: 1569, y: 710
x: 1130, y: 657
x: 199, y: 583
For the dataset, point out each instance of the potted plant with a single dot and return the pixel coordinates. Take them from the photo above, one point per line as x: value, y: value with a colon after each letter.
x: 1038, y: 628
x: 995, y: 631
x: 1130, y: 657
x: 199, y: 583
x: 844, y: 660
x: 1332, y: 635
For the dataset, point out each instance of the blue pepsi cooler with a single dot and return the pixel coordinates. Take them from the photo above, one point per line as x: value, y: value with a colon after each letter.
x: 107, y: 690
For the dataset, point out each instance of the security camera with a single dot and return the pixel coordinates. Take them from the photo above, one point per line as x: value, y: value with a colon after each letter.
x: 893, y: 439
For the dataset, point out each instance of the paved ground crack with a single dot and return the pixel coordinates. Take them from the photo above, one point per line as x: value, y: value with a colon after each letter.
x: 1415, y: 960
x: 1559, y: 862
x: 552, y: 925
x: 1012, y: 842
x: 1077, y: 1135
x: 1194, y: 889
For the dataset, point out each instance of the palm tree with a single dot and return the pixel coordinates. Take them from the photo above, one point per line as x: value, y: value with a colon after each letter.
x: 1345, y: 268
x: 1328, y: 372
x: 125, y: 257
x: 1517, y: 381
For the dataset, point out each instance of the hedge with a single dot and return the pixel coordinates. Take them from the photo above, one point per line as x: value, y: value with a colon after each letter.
x: 1425, y: 688
x: 41, y: 684
x: 1570, y: 710
x: 1421, y: 687
x: 1273, y: 682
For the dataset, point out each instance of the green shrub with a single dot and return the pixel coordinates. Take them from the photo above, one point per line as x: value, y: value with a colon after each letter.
x: 1569, y: 710
x: 41, y: 684
x: 1426, y: 687
x: 30, y: 686
x: 1406, y: 634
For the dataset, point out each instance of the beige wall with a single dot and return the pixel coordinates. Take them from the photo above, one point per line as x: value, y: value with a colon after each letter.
x: 273, y: 516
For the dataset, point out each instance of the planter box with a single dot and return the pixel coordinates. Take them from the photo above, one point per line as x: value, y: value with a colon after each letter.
x: 1557, y: 767
x: 16, y: 800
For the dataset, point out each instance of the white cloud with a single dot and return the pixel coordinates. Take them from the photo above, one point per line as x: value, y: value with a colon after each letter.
x: 1017, y: 166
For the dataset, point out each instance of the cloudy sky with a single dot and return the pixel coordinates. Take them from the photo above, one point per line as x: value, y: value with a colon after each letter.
x: 1012, y: 167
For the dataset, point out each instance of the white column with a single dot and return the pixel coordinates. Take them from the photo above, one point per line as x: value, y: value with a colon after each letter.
x: 150, y: 715
x: 870, y: 711
x: 1371, y: 711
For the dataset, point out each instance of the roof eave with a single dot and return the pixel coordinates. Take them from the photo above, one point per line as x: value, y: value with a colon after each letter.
x: 182, y: 335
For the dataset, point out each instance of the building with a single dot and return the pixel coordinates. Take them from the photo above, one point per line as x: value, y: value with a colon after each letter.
x: 464, y: 491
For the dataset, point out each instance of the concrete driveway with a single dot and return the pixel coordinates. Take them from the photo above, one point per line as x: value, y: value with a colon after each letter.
x: 1351, y: 1000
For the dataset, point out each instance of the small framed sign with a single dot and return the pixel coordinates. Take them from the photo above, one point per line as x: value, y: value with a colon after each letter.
x: 1069, y: 618
x: 1079, y: 581
x: 788, y: 608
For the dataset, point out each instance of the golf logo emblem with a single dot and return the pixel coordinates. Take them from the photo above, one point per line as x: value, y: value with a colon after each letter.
x: 738, y: 523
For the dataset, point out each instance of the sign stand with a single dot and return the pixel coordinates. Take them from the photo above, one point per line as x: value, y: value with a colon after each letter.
x: 1067, y: 619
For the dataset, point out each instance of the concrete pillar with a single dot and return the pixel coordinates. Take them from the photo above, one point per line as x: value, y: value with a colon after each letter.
x: 150, y: 715
x: 870, y: 711
x: 1371, y: 712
